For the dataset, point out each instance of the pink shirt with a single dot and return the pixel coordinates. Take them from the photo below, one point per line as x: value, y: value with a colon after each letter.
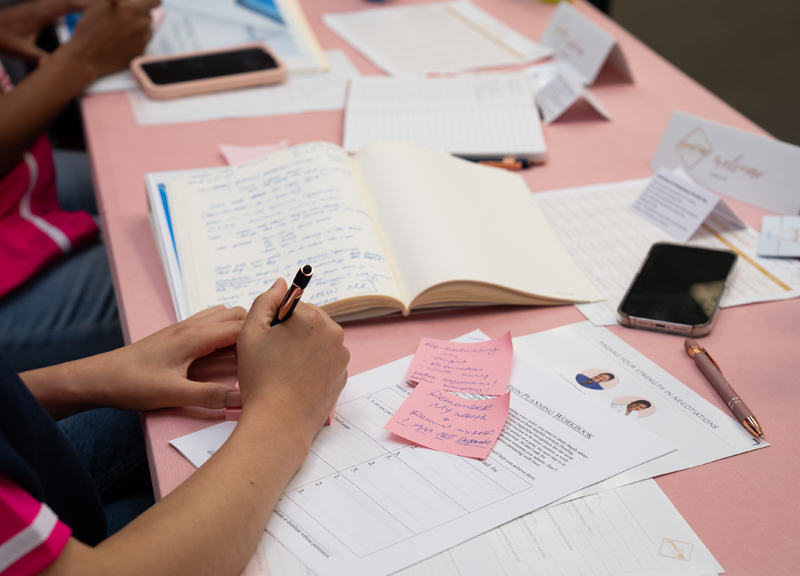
x: 34, y: 230
x: 31, y: 535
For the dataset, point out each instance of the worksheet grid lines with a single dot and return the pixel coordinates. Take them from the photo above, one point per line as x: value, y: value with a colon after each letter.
x: 394, y: 453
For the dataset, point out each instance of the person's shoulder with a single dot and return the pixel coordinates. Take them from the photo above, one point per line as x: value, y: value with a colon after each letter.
x: 31, y: 535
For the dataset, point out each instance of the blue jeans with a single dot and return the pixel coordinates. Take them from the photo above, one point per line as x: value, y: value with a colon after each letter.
x: 67, y: 311
x: 110, y: 445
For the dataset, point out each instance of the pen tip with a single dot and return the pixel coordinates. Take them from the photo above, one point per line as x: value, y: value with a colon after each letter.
x: 761, y: 436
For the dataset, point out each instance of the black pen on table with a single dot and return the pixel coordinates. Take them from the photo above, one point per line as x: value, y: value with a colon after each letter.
x: 289, y: 302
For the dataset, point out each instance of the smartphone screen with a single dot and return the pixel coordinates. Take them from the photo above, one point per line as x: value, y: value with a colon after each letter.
x: 679, y: 284
x: 208, y: 66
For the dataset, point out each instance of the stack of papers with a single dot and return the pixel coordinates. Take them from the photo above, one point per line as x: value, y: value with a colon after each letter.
x: 366, y: 502
x: 476, y: 115
x: 441, y: 37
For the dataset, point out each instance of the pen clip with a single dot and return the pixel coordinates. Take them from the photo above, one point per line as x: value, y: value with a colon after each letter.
x: 699, y: 350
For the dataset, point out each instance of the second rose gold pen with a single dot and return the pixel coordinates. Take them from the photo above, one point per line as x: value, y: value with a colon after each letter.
x: 713, y: 374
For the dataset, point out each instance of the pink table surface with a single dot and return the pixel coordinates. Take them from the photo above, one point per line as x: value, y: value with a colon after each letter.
x: 746, y: 509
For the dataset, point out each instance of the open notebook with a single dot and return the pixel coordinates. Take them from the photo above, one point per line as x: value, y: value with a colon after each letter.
x: 395, y: 228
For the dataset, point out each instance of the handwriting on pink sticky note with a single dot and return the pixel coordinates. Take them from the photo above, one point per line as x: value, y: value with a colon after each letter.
x: 437, y: 419
x: 474, y: 368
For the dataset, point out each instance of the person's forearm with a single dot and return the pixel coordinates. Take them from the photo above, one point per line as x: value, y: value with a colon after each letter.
x: 30, y: 107
x: 66, y: 389
x: 210, y: 524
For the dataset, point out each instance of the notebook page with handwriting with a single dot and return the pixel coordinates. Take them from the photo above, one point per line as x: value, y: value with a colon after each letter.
x: 239, y: 228
x: 476, y: 114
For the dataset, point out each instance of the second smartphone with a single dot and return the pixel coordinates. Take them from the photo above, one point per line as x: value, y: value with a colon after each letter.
x: 209, y: 71
x: 677, y: 289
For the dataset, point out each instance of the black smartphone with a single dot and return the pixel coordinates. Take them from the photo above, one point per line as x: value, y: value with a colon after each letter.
x: 209, y: 71
x: 677, y: 289
x: 202, y: 67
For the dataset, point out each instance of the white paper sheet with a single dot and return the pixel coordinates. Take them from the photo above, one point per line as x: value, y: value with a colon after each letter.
x: 366, y: 502
x: 440, y: 37
x: 475, y: 114
x: 313, y: 91
x: 609, y: 242
x: 633, y: 530
x: 701, y: 432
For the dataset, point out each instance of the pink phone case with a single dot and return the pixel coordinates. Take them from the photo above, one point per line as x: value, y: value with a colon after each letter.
x: 218, y: 84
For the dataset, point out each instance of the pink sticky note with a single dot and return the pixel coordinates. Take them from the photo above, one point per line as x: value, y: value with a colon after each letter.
x: 442, y: 421
x: 475, y: 368
x: 238, y: 154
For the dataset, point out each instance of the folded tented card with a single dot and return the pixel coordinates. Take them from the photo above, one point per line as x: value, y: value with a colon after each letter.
x: 476, y: 368
x: 780, y: 236
x: 584, y: 45
x: 679, y: 206
x: 759, y: 170
x: 558, y: 88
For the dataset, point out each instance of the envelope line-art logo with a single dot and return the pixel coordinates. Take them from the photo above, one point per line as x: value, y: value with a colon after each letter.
x: 693, y: 147
x: 676, y: 549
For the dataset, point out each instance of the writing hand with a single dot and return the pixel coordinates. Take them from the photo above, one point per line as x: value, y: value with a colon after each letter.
x: 110, y: 34
x: 294, y: 370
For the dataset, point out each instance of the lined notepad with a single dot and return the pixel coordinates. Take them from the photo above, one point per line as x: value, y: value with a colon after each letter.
x: 471, y: 115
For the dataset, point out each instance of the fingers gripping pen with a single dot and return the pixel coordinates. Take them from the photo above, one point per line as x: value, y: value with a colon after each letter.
x: 289, y: 303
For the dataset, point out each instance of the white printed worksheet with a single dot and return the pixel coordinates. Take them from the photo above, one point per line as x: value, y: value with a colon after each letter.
x: 632, y: 530
x: 618, y: 379
x: 368, y: 502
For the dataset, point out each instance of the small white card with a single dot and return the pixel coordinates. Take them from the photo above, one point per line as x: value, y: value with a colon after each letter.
x: 586, y: 46
x: 780, y: 236
x: 759, y: 170
x: 558, y: 88
x: 678, y: 206
x: 199, y: 446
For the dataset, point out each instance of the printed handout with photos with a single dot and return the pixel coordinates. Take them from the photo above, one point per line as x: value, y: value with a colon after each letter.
x: 368, y: 502
x: 633, y: 530
x: 620, y: 380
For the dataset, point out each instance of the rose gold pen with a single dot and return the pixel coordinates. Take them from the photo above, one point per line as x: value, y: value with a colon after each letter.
x: 289, y: 302
x: 713, y: 374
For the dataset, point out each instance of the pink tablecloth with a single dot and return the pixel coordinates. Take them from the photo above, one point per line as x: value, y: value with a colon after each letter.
x: 746, y: 509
